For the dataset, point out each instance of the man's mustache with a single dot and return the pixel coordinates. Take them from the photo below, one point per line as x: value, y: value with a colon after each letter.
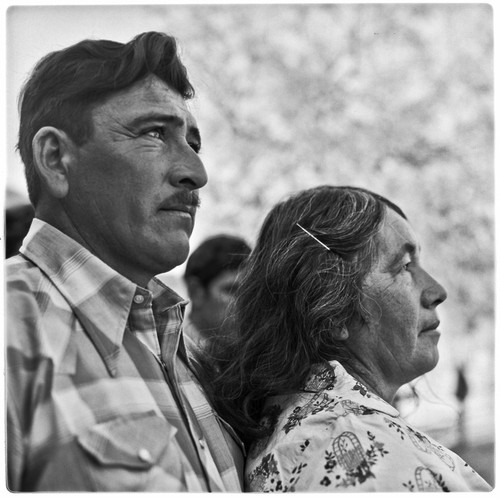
x: 187, y: 199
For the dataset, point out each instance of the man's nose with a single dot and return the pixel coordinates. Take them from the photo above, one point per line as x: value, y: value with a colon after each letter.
x: 433, y: 293
x: 188, y: 171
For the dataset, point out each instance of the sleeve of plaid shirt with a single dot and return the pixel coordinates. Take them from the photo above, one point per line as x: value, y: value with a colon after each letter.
x: 21, y: 378
x: 15, y: 455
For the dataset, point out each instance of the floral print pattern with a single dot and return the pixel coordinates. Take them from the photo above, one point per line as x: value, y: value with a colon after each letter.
x: 266, y: 476
x: 336, y: 435
x: 352, y: 463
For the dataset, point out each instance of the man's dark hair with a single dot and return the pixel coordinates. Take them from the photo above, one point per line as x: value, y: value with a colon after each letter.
x: 65, y: 85
x: 216, y: 255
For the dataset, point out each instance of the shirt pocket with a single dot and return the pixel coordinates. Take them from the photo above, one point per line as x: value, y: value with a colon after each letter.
x: 135, y: 442
x: 130, y: 453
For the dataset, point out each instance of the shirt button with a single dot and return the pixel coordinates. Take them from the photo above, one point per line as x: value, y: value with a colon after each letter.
x: 202, y: 443
x: 145, y: 455
x: 138, y: 299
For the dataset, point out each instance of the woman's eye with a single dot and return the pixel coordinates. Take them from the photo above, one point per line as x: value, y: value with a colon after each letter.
x: 406, y: 266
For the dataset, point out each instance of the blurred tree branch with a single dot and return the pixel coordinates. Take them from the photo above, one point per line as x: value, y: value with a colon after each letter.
x: 394, y: 97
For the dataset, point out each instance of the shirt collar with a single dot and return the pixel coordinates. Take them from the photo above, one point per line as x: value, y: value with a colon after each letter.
x: 99, y: 296
x: 165, y: 298
x: 349, y: 388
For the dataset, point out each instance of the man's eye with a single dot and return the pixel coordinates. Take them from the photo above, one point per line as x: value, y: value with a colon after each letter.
x: 155, y: 133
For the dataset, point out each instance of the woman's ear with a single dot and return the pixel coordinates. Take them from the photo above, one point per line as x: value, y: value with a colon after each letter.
x: 52, y: 151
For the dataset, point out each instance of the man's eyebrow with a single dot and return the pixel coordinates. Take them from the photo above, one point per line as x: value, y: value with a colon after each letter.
x: 167, y: 118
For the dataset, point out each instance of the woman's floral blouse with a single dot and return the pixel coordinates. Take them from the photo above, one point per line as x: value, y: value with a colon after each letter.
x: 335, y: 435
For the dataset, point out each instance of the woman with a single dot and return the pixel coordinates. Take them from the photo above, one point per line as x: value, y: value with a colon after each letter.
x: 335, y: 313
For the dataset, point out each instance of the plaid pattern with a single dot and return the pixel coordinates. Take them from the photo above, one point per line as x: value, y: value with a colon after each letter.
x: 100, y: 391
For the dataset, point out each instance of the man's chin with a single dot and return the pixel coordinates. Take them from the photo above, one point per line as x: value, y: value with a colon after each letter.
x: 174, y: 255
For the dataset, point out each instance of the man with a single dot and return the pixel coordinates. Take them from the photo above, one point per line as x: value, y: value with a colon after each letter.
x: 210, y: 277
x: 100, y: 391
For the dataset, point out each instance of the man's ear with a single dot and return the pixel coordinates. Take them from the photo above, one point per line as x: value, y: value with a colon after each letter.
x: 52, y: 152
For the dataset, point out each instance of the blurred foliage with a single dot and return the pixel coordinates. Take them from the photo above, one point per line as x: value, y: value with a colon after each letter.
x: 397, y: 98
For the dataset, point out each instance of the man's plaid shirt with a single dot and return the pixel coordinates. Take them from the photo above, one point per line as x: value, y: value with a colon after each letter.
x: 100, y: 394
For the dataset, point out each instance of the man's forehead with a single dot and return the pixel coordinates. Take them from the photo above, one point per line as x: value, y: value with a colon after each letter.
x: 157, y: 91
x: 151, y: 93
x: 169, y: 100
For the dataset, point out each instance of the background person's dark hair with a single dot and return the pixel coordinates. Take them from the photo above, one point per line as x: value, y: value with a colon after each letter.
x: 17, y: 223
x: 292, y: 295
x: 65, y: 85
x: 214, y: 256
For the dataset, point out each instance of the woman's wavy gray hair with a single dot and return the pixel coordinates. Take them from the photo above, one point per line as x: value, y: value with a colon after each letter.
x: 294, y: 294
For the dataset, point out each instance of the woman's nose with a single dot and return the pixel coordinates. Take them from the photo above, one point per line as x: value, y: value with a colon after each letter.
x: 433, y: 293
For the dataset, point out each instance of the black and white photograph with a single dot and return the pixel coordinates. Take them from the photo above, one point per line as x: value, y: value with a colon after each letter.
x: 249, y: 247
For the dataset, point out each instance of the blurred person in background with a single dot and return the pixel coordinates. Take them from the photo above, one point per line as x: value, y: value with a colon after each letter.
x: 18, y: 219
x: 101, y: 395
x: 211, y: 280
x: 334, y: 314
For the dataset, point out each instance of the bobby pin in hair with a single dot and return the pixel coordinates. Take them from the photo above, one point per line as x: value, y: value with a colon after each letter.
x: 315, y: 238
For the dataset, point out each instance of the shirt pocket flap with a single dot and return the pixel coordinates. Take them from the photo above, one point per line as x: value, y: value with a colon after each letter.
x: 136, y: 441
